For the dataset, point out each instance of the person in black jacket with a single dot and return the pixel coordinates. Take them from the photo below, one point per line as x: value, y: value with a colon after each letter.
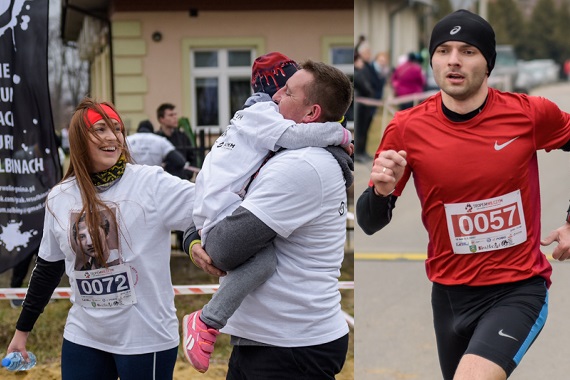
x: 168, y: 119
x: 367, y: 84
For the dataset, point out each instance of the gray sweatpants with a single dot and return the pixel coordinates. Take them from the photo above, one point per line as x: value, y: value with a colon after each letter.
x: 246, y: 268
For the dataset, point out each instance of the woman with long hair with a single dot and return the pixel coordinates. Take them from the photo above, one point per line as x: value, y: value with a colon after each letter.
x: 122, y: 322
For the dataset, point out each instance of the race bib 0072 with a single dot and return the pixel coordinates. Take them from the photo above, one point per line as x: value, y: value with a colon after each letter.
x: 486, y: 225
x: 105, y: 287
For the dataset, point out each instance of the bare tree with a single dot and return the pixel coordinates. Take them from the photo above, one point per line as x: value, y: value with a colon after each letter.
x: 68, y: 75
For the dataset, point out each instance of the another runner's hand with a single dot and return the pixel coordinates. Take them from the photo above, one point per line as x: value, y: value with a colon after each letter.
x: 562, y: 236
x: 387, y: 170
x: 204, y: 261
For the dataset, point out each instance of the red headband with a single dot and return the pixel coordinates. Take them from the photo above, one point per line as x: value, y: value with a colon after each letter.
x: 94, y: 116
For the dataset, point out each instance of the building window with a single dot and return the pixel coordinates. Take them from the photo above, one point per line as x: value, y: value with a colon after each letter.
x: 207, y: 100
x: 342, y: 57
x: 220, y: 84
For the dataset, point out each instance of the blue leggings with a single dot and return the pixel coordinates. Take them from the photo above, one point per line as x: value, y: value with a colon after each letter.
x: 86, y: 363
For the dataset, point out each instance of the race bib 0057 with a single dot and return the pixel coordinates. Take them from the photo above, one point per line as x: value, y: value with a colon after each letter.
x: 486, y: 225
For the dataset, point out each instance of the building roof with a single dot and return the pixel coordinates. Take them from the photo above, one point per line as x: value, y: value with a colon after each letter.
x: 74, y: 11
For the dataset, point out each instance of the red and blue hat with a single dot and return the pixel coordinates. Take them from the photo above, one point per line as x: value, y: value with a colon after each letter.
x: 271, y: 71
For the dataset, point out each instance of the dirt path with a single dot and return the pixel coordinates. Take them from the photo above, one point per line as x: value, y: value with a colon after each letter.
x: 182, y: 371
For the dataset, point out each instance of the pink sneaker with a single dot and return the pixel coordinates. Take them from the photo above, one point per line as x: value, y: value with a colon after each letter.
x: 198, y: 341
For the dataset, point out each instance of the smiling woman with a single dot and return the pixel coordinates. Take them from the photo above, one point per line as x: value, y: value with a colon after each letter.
x: 104, y: 222
x: 106, y: 137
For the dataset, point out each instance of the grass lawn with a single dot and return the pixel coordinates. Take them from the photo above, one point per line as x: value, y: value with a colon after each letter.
x: 45, y: 340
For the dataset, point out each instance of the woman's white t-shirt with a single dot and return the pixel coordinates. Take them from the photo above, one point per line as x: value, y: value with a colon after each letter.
x: 149, y: 204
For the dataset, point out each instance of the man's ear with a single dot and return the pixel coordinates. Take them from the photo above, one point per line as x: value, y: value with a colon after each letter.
x: 313, y: 115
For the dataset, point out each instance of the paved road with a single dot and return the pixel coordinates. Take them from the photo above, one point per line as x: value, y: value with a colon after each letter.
x: 394, y: 337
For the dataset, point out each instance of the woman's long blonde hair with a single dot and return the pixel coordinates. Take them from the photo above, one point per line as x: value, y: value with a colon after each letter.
x: 80, y: 132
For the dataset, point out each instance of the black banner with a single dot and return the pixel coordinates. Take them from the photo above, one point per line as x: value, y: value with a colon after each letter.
x: 29, y: 159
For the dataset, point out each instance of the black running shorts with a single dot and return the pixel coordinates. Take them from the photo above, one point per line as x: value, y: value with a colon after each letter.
x: 496, y: 322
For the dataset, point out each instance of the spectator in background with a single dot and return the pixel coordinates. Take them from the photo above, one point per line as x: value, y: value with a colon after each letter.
x: 168, y: 119
x: 147, y: 148
x: 567, y: 68
x: 364, y: 113
x: 362, y: 86
x: 409, y: 78
x: 381, y: 64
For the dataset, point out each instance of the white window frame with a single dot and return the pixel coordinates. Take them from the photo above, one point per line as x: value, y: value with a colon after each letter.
x: 256, y: 44
x: 329, y: 43
x: 223, y: 72
x: 345, y: 68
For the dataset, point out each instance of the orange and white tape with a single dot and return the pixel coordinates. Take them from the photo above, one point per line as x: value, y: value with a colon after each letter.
x: 63, y: 293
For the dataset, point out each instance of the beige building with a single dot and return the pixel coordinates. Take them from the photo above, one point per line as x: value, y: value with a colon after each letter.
x: 198, y: 57
x: 395, y: 27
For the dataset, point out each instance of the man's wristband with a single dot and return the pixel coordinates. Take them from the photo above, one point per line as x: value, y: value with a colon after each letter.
x: 197, y: 241
x: 568, y: 215
x: 189, y: 236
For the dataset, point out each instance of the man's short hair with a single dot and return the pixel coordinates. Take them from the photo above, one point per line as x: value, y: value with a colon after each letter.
x: 162, y: 108
x: 330, y: 88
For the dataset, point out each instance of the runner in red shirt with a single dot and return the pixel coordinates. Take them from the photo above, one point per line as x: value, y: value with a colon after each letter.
x: 472, y: 152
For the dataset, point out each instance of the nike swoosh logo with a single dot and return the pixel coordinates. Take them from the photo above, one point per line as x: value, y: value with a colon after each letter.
x: 501, y: 333
x: 501, y: 146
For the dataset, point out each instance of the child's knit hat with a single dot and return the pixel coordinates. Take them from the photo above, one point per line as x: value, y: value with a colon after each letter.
x: 271, y: 71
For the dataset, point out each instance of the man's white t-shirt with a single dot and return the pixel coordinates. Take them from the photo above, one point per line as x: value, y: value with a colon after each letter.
x: 301, y: 195
x: 239, y: 152
x: 148, y: 148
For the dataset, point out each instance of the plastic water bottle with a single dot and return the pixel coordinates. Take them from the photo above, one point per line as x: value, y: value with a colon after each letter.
x: 14, y: 361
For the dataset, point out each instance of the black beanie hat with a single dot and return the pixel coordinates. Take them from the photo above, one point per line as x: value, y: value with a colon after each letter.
x: 467, y: 27
x: 145, y: 126
x: 271, y: 71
